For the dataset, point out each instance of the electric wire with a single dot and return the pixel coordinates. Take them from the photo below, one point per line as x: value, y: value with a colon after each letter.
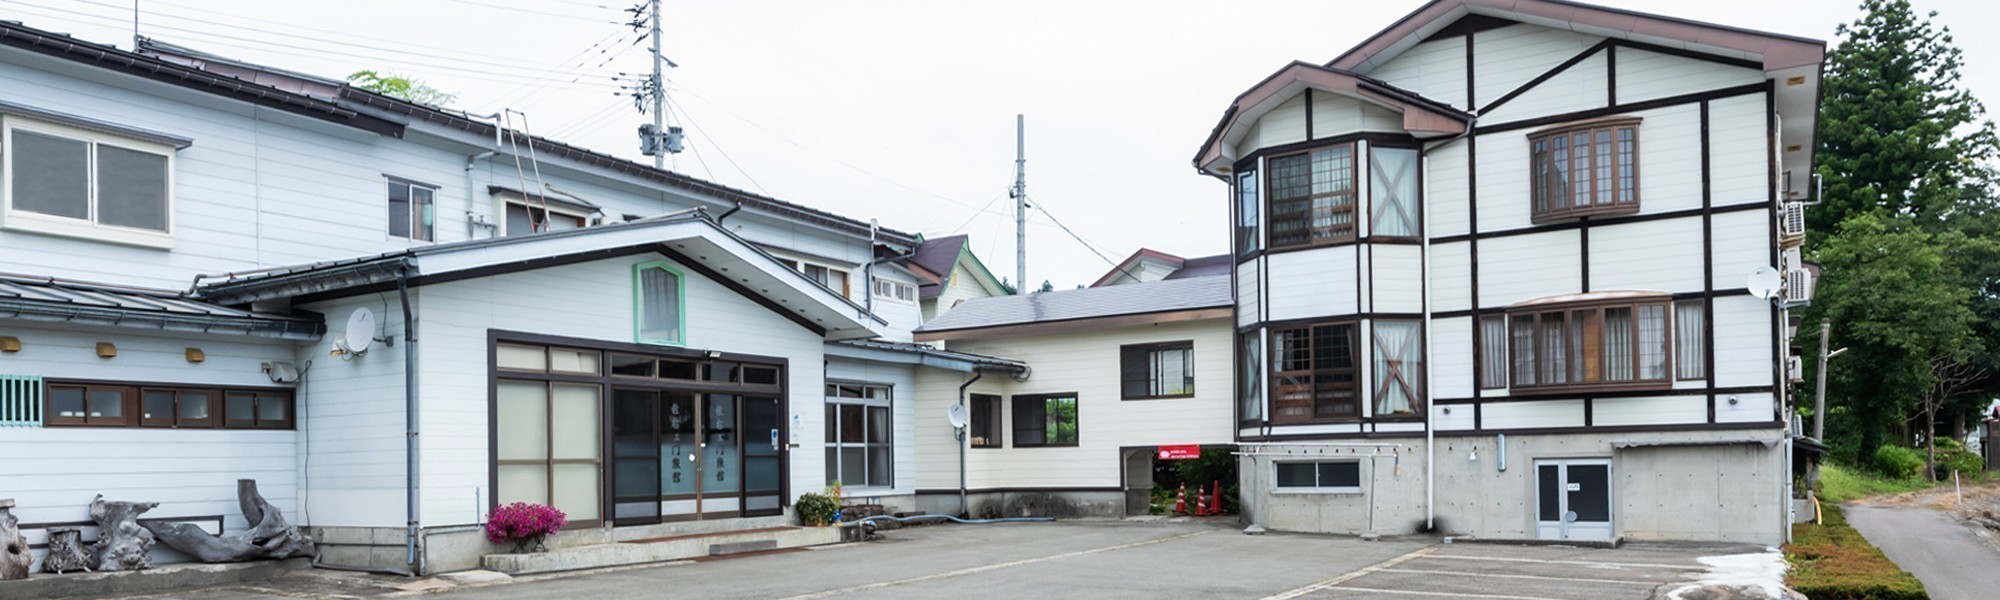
x: 682, y: 111
x: 530, y: 11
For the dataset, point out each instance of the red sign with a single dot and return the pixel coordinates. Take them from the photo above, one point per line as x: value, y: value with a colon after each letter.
x: 1184, y: 452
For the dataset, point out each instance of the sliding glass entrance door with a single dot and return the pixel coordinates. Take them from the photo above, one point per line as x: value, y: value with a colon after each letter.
x: 763, y: 457
x: 680, y: 455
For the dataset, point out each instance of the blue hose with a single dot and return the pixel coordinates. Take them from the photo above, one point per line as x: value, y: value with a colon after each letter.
x: 958, y: 520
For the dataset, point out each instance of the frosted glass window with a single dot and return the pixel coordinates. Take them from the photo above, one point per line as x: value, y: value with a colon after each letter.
x: 51, y: 175
x: 522, y: 429
x: 523, y: 483
x: 131, y: 188
x: 575, y: 491
x: 564, y: 360
x: 573, y: 421
x: 521, y: 358
x: 659, y: 317
x: 1392, y: 188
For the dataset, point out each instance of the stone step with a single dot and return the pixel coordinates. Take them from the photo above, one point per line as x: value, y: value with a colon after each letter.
x: 669, y: 548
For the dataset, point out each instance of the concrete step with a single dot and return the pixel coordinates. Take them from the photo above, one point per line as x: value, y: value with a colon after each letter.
x: 669, y: 548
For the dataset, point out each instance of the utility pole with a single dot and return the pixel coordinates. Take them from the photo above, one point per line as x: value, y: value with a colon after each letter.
x: 659, y: 92
x: 1020, y: 194
x: 1819, y: 389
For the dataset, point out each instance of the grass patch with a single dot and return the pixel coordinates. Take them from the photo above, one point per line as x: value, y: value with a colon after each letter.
x: 1841, y: 484
x: 1831, y: 561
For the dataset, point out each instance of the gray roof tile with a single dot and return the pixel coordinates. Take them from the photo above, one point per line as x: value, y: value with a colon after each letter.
x: 1087, y: 303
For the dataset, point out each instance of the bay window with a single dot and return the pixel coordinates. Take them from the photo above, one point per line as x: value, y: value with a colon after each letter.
x: 1312, y: 374
x: 1399, y: 367
x: 1584, y: 169
x: 1247, y: 240
x: 1311, y: 196
x: 1609, y: 344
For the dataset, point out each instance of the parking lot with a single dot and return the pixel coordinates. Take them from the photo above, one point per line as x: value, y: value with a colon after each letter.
x: 1084, y: 559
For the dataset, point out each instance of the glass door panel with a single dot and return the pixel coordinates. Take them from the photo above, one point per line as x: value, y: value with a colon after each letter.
x: 721, y: 465
x: 678, y: 454
x: 635, y: 454
x: 574, y: 450
x: 763, y: 456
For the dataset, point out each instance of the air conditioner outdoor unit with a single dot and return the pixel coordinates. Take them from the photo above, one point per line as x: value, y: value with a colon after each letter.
x: 1795, y: 368
x: 1792, y: 221
x: 1798, y: 287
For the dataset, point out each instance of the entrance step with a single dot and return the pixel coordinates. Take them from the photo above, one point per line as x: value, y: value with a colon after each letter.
x: 666, y: 548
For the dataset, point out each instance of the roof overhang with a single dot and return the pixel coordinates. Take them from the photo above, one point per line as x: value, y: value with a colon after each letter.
x: 1765, y: 442
x: 688, y: 237
x: 1421, y: 117
x: 1061, y: 326
x: 79, y: 303
x: 925, y: 356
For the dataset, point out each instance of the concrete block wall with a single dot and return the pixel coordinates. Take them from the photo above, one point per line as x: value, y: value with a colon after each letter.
x: 1027, y: 503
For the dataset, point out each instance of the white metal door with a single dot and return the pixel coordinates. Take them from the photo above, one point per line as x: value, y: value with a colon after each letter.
x: 1573, y: 499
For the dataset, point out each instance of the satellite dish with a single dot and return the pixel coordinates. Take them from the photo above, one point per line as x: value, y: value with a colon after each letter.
x: 1765, y: 282
x: 956, y: 414
x: 360, y: 332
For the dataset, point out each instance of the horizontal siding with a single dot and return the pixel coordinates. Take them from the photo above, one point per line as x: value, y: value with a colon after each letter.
x: 352, y: 418
x: 1525, y: 267
x: 1743, y: 342
x: 1745, y: 408
x: 1452, y: 356
x: 1398, y: 277
x: 1739, y: 149
x: 903, y: 422
x: 1247, y: 291
x: 1742, y: 243
x: 1670, y: 159
x: 1433, y: 69
x: 1451, y: 276
x: 1447, y: 191
x: 1509, y: 57
x: 1311, y: 283
x: 1646, y: 75
x: 1661, y: 256
x: 1521, y: 414
x: 1662, y: 410
x: 1284, y: 124
x: 1583, y: 86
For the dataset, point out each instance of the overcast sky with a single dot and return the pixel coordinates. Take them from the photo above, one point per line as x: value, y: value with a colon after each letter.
x: 900, y: 111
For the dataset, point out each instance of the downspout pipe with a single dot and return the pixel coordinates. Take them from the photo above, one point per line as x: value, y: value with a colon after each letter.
x: 1430, y: 378
x: 470, y: 225
x: 963, y: 439
x: 410, y: 427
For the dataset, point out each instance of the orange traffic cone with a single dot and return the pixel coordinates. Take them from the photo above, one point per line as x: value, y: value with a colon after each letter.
x: 1200, y: 502
x: 1180, y: 501
x: 1215, y: 505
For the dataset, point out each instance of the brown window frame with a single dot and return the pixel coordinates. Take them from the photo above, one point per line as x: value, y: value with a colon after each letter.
x: 1319, y: 383
x: 1139, y: 357
x: 1609, y: 193
x: 1584, y: 365
x: 1040, y: 402
x: 987, y: 417
x: 132, y: 406
x: 1491, y: 378
x: 1304, y: 214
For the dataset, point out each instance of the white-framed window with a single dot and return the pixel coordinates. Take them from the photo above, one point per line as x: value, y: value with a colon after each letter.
x: 520, y: 219
x: 834, y: 278
x: 860, y: 451
x: 412, y: 210
x: 659, y: 313
x: 895, y: 291
x: 74, y: 182
x: 1316, y: 477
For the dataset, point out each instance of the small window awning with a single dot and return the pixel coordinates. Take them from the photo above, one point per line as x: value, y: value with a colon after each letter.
x: 1765, y: 442
x: 83, y: 303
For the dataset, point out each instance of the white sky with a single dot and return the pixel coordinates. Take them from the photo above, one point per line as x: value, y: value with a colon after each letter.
x: 902, y: 111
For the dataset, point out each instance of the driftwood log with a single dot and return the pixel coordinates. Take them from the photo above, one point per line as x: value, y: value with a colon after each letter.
x: 269, y: 536
x: 122, y: 545
x: 14, y: 556
x: 66, y: 551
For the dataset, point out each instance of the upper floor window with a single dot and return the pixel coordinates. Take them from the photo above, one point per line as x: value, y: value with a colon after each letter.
x: 834, y: 278
x: 1246, y: 213
x: 1399, y: 367
x: 1585, y: 169
x: 1392, y: 191
x: 412, y: 210
x: 659, y: 316
x: 70, y: 181
x: 521, y: 219
x: 1164, y: 370
x: 1311, y: 196
x: 1312, y: 373
x: 895, y: 291
x: 1045, y: 420
x: 1588, y: 346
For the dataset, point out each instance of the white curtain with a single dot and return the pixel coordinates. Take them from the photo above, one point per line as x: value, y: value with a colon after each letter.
x: 1399, y: 367
x: 1493, y: 352
x: 1653, y: 342
x: 1392, y: 189
x: 1617, y: 344
x: 1689, y: 343
x: 659, y: 292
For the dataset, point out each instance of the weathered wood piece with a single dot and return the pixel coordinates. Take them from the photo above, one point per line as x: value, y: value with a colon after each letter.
x: 122, y: 545
x: 269, y: 536
x: 66, y: 551
x: 14, y: 556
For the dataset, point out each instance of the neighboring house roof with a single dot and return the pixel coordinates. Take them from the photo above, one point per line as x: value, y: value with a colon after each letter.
x: 920, y: 354
x: 1151, y: 298
x: 690, y: 237
x: 1183, y: 268
x: 86, y: 303
x: 936, y: 260
x: 1421, y: 116
x: 1775, y: 51
x: 1206, y: 266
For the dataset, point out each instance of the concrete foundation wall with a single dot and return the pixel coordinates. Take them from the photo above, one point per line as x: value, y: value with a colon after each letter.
x: 1026, y: 503
x: 1701, y: 489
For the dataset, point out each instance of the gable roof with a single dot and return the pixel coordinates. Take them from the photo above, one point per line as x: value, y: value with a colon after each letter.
x: 1776, y: 51
x: 936, y: 260
x: 689, y: 237
x: 1421, y: 116
x: 1206, y: 266
x: 1183, y: 268
x: 1151, y: 298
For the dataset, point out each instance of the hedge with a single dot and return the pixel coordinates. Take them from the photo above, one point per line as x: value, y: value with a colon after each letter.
x: 1832, y: 561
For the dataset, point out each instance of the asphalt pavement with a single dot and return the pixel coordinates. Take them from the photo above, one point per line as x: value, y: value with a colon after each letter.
x: 1953, y: 561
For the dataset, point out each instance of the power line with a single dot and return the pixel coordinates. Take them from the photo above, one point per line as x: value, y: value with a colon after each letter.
x: 531, y: 11
x: 685, y: 116
x: 976, y: 214
x: 1079, y: 239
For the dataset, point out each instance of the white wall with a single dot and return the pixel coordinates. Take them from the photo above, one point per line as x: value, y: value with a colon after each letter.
x: 351, y: 442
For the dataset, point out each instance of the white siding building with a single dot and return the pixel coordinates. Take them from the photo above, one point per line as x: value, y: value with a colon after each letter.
x: 1490, y: 273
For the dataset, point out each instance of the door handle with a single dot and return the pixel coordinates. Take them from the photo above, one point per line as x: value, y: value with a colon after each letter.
x: 774, y: 439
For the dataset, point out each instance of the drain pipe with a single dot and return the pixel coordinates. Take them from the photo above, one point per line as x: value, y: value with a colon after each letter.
x: 409, y: 419
x: 470, y: 224
x: 962, y: 440
x: 1430, y: 377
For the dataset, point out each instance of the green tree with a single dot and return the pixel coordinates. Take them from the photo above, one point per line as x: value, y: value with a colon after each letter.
x: 400, y: 86
x: 1895, y: 130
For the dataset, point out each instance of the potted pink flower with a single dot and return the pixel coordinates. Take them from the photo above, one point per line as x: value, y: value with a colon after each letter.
x: 524, y: 525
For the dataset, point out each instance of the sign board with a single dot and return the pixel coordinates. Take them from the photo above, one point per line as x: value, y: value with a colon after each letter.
x: 1182, y: 452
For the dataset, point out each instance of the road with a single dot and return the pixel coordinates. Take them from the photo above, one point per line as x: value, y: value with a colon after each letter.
x: 1111, y: 560
x: 1953, y: 562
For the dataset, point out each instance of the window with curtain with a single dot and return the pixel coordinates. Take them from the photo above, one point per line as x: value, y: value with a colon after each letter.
x: 1247, y: 240
x: 412, y: 210
x: 1690, y: 339
x: 1586, y: 346
x: 1250, y: 377
x: 1392, y: 190
x: 1584, y: 169
x: 1493, y: 351
x: 1312, y: 374
x: 1164, y: 370
x: 1399, y: 367
x: 660, y: 319
x: 1045, y: 420
x: 1312, y: 196
x: 859, y: 448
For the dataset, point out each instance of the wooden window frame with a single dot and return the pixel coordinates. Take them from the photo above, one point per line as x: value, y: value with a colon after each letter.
x: 1409, y: 378
x: 1578, y: 375
x: 1315, y: 378
x: 212, y: 398
x: 132, y: 407
x: 1144, y: 352
x: 1040, y: 402
x: 1493, y: 379
x: 1269, y: 201
x: 1544, y: 187
x: 1675, y: 345
x: 994, y: 419
x: 1245, y: 192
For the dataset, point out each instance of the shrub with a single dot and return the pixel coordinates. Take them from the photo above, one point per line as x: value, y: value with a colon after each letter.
x: 524, y: 525
x: 1832, y: 561
x: 1899, y: 462
x: 1952, y: 456
x: 816, y: 509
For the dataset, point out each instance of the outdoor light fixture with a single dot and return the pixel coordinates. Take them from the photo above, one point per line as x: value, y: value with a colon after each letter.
x: 10, y: 344
x: 715, y: 354
x: 195, y: 355
x: 106, y: 350
x: 1836, y: 352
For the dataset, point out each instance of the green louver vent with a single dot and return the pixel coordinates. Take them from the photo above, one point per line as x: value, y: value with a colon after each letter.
x: 20, y: 401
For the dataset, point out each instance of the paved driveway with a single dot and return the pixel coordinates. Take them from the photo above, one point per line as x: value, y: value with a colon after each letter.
x: 1954, y: 561
x: 1120, y: 560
